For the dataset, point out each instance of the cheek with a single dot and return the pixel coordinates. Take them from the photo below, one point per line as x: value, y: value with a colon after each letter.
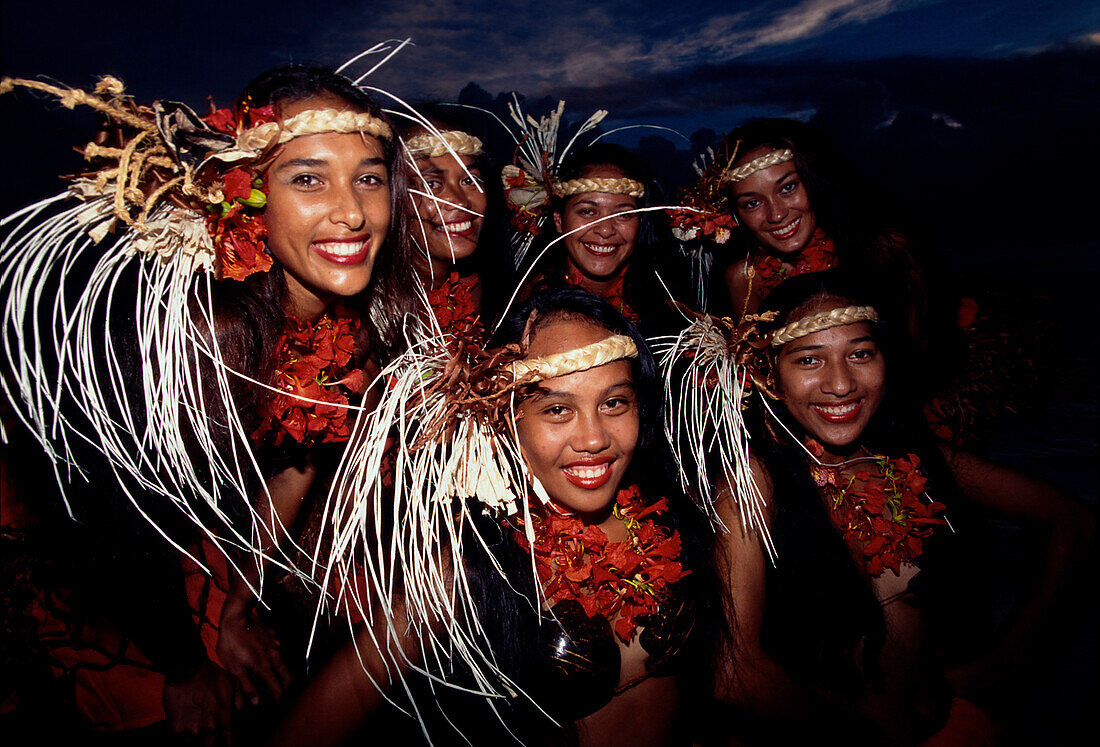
x: 537, y: 442
x: 479, y: 201
x: 378, y: 208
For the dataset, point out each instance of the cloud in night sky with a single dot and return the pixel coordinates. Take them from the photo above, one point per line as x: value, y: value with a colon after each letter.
x: 543, y: 48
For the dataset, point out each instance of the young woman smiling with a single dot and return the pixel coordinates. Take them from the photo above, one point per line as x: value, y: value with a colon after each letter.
x: 457, y: 225
x: 621, y: 563
x: 258, y: 262
x: 802, y: 208
x: 603, y: 246
x: 838, y: 634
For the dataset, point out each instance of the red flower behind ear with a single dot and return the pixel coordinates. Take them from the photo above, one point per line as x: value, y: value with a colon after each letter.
x: 238, y: 185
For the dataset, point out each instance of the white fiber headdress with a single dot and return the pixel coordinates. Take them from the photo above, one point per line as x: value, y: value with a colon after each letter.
x: 708, y: 372
x: 440, y: 447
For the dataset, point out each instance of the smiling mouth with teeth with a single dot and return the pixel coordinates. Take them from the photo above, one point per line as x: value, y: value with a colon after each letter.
x: 601, y: 248
x: 588, y: 473
x: 341, y: 248
x: 462, y: 227
x: 787, y: 231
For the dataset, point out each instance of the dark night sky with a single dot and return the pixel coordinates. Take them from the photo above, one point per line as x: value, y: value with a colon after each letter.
x: 927, y: 95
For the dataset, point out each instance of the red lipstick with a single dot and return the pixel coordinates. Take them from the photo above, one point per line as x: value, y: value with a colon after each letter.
x: 589, y: 474
x: 841, y: 412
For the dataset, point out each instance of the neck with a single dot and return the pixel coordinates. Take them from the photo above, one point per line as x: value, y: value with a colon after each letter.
x: 434, y: 272
x: 598, y: 286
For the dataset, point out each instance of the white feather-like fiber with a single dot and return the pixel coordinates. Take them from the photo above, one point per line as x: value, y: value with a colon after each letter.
x: 703, y: 414
x: 396, y: 554
x: 69, y: 384
x: 538, y: 140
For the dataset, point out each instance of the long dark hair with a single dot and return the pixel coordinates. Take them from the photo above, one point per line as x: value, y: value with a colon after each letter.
x: 492, y: 259
x: 868, y: 232
x: 250, y: 315
x: 654, y: 251
x: 822, y: 622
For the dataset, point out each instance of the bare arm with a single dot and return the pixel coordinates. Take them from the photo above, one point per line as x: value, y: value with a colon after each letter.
x: 739, y: 286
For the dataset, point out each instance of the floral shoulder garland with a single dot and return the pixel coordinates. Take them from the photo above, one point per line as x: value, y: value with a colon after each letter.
x: 625, y: 579
x: 819, y: 255
x: 454, y: 305
x: 311, y: 364
x: 613, y: 296
x: 880, y: 511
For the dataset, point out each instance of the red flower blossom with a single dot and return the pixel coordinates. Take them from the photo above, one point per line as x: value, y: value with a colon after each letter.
x: 238, y: 184
x: 611, y: 579
x: 313, y: 404
x: 819, y: 255
x: 455, y: 307
x: 880, y: 512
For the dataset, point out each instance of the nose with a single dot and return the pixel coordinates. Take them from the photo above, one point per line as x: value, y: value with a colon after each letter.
x: 346, y: 208
x: 777, y: 210
x: 838, y: 380
x: 590, y: 436
x: 604, y: 229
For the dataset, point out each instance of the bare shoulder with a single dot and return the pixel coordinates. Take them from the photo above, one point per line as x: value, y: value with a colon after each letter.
x: 728, y: 508
x: 737, y: 283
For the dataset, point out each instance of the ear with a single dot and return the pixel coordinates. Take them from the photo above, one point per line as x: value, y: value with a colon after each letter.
x: 557, y: 221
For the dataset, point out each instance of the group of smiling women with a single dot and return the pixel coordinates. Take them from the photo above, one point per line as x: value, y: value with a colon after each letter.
x: 618, y: 590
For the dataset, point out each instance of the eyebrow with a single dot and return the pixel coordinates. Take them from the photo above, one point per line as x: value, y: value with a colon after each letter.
x: 542, y: 392
x: 316, y: 162
x: 793, y: 172
x: 806, y: 348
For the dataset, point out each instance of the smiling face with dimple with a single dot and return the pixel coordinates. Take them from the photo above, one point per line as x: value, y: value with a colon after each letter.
x: 578, y: 432
x: 833, y: 383
x: 328, y: 211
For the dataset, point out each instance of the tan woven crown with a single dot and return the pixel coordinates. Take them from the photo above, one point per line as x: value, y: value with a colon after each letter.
x: 620, y: 186
x: 606, y: 350
x: 429, y: 145
x: 312, y: 122
x: 757, y: 164
x: 821, y: 321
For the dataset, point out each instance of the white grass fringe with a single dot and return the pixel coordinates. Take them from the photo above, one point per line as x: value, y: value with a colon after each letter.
x: 702, y: 420
x: 69, y: 386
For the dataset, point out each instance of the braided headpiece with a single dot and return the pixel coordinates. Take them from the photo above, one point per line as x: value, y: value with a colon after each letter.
x: 617, y: 186
x: 430, y: 145
x: 765, y: 161
x: 821, y: 321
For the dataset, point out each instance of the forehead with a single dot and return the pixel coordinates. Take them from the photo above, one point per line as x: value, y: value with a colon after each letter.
x: 764, y: 178
x: 832, y: 338
x: 446, y: 163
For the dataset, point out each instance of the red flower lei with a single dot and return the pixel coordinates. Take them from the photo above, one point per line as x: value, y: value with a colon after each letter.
x: 312, y: 357
x: 237, y: 224
x: 453, y: 305
x: 577, y: 561
x: 614, y: 295
x: 819, y: 254
x: 880, y: 512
